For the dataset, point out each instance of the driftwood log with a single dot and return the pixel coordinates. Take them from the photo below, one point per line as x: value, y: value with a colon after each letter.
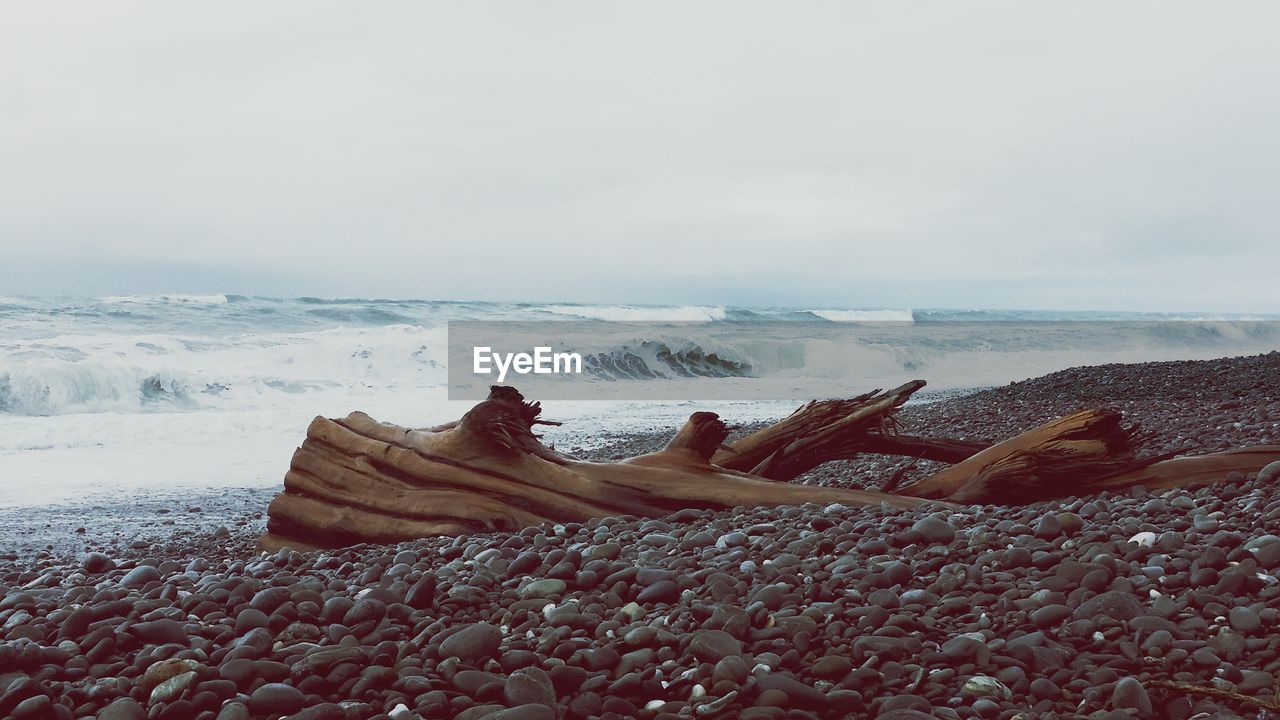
x: 357, y: 480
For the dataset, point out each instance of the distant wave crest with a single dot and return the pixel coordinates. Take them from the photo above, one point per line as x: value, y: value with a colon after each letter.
x: 865, y: 315
x: 150, y: 299
x: 632, y: 313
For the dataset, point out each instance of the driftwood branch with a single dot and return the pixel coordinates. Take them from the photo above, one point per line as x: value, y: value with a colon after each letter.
x: 826, y: 430
x: 1053, y: 460
x: 358, y: 480
x: 1216, y: 693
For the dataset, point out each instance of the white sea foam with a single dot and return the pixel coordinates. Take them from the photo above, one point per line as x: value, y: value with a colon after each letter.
x: 146, y: 373
x: 865, y: 315
x: 184, y: 299
x: 630, y: 313
x: 176, y: 389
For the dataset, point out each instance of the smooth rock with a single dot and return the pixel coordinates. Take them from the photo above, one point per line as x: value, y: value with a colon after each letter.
x: 1244, y: 619
x: 934, y: 530
x: 1269, y: 472
x: 665, y: 591
x: 1114, y: 604
x: 529, y: 686
x: 276, y: 698
x: 125, y: 708
x: 714, y: 645
x: 96, y: 562
x: 140, y: 576
x: 1129, y: 694
x: 473, y: 643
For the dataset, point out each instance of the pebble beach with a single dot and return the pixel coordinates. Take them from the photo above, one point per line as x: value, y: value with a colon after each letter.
x: 1133, y: 605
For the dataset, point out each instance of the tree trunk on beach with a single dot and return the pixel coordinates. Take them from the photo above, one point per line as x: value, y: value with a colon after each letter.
x: 357, y: 480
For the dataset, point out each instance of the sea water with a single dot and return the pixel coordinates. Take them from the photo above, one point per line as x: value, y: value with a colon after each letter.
x: 119, y: 394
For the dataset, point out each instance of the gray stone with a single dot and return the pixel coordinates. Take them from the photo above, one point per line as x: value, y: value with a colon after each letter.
x: 1268, y: 554
x: 985, y: 686
x: 172, y: 689
x: 1205, y: 658
x: 1129, y: 694
x: 159, y: 632
x: 140, y: 576
x: 276, y: 699
x: 125, y: 708
x: 545, y: 587
x: 1204, y: 523
x: 733, y: 668
x: 714, y: 645
x: 475, y: 642
x: 1050, y: 615
x: 1269, y: 472
x: 664, y: 591
x: 1244, y: 619
x: 934, y: 529
x: 33, y: 708
x: 1048, y: 527
x: 1114, y: 604
x: 268, y: 599
x: 832, y: 667
x: 1044, y: 688
x: 524, y: 712
x: 234, y: 711
x: 529, y: 686
x: 1255, y: 680
x: 96, y: 562
x: 966, y: 648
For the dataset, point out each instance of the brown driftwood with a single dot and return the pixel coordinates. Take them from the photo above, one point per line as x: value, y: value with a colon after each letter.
x: 826, y: 430
x: 1216, y: 693
x: 357, y: 480
x: 1052, y: 460
x: 1083, y: 453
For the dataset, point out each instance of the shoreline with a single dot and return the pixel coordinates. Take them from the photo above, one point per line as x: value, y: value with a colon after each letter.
x: 975, y: 612
x: 1170, y: 398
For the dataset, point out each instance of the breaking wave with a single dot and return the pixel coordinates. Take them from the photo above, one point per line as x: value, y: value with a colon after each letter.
x: 204, y: 353
x: 865, y: 315
x: 115, y: 373
x: 630, y: 313
x: 179, y: 299
x: 81, y: 387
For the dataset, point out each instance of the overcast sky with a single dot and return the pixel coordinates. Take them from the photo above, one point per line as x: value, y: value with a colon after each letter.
x: 905, y: 154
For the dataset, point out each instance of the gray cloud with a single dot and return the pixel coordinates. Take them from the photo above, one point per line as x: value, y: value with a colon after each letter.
x: 1084, y: 155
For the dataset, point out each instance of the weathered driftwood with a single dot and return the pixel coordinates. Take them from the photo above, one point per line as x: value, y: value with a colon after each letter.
x: 826, y: 430
x: 1083, y: 453
x: 1053, y: 460
x: 357, y: 480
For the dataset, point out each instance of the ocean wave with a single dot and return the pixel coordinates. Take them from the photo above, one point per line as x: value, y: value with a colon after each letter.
x: 120, y: 373
x: 139, y: 355
x: 849, y: 353
x: 864, y: 315
x: 73, y: 387
x: 634, y: 313
x: 151, y: 299
x: 359, y: 315
x: 308, y: 300
x: 653, y: 360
